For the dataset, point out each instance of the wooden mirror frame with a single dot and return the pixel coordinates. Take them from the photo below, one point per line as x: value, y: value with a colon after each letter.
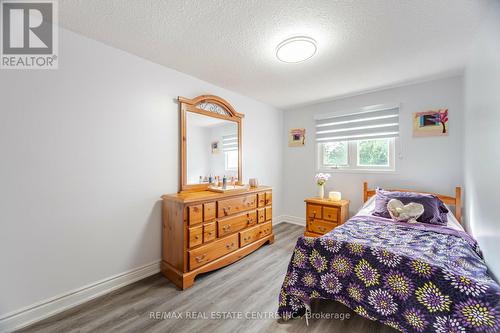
x: 211, y: 106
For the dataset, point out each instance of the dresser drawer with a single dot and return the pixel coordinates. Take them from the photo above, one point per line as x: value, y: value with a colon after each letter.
x: 206, y: 253
x: 269, y: 198
x: 195, y: 236
x: 235, y: 205
x: 269, y: 213
x: 261, y: 197
x: 195, y: 214
x: 314, y: 211
x: 261, y: 215
x: 320, y: 226
x: 236, y: 223
x: 209, y: 233
x: 251, y: 235
x: 209, y: 211
x: 330, y: 214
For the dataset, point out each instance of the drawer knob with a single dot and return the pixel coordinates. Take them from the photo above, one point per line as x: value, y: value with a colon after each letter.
x: 197, y: 237
x: 229, y: 246
x: 226, y: 210
x: 210, y: 233
x: 200, y: 258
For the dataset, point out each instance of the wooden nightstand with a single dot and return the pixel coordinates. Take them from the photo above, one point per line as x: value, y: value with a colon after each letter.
x: 322, y: 215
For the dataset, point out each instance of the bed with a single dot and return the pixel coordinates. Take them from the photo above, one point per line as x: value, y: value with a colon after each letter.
x: 413, y: 277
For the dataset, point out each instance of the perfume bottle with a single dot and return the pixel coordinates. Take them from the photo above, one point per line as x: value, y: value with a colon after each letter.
x: 224, y: 182
x: 210, y: 179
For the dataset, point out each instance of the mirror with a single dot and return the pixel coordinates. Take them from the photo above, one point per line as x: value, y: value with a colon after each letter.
x: 211, y: 148
x: 210, y: 142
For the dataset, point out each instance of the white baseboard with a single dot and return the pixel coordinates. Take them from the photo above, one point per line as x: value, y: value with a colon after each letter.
x: 47, y: 308
x: 290, y: 219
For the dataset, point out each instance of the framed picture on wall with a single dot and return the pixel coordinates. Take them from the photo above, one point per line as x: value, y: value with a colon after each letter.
x: 215, y: 147
x: 297, y: 137
x: 430, y: 123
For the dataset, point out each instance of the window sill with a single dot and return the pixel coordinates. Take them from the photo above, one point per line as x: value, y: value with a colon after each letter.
x: 341, y: 170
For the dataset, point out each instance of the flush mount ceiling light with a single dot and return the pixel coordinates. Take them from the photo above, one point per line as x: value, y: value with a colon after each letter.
x: 296, y: 49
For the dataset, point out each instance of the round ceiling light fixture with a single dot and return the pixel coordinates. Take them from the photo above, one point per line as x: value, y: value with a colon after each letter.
x: 296, y: 49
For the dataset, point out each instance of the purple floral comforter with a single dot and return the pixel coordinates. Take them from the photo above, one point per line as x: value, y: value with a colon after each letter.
x: 412, y: 277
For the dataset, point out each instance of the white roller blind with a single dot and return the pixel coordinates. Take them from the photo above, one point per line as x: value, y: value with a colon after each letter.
x: 229, y: 142
x: 370, y: 123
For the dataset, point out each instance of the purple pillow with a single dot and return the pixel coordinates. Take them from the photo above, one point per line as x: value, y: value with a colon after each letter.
x: 434, y: 209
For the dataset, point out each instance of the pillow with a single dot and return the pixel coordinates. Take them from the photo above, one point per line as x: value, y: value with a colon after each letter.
x: 434, y: 209
x: 404, y: 213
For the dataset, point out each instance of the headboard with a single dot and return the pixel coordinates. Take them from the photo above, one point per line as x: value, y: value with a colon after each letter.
x: 455, y: 201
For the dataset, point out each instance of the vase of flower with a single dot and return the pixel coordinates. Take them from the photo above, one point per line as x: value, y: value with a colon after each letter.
x: 321, y: 179
x: 321, y: 191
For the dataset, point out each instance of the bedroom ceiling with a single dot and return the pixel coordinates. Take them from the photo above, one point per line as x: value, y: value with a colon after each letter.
x: 362, y: 45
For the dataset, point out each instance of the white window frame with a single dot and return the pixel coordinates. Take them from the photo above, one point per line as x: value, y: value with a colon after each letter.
x: 353, y: 163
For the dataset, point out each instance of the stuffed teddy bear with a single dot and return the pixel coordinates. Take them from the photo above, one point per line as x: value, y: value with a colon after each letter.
x: 404, y: 213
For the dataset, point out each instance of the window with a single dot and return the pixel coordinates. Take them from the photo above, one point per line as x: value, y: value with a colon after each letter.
x: 231, y: 158
x: 334, y: 154
x: 363, y: 141
x: 230, y: 148
x: 377, y: 154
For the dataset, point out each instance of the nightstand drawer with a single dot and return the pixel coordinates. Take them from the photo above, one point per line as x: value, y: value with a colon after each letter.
x: 320, y: 226
x: 330, y: 214
x: 314, y: 211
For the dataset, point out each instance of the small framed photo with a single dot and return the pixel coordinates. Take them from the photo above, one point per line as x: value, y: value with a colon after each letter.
x: 430, y: 123
x: 297, y: 137
x: 215, y: 147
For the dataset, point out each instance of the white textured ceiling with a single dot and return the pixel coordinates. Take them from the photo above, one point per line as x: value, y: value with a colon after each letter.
x: 362, y: 44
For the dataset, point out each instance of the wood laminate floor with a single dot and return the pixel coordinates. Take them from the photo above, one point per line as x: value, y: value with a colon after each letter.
x: 249, y: 286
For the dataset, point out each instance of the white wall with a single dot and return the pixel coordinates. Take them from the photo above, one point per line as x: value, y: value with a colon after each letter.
x: 482, y: 139
x: 86, y: 152
x: 197, y: 153
x: 432, y: 164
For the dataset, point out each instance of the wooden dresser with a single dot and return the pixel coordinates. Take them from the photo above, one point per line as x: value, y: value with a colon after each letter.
x: 322, y: 215
x: 204, y: 230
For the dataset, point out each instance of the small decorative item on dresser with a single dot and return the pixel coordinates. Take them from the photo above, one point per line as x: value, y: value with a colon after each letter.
x: 321, y: 179
x: 323, y: 215
x: 334, y: 196
x: 254, y: 182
